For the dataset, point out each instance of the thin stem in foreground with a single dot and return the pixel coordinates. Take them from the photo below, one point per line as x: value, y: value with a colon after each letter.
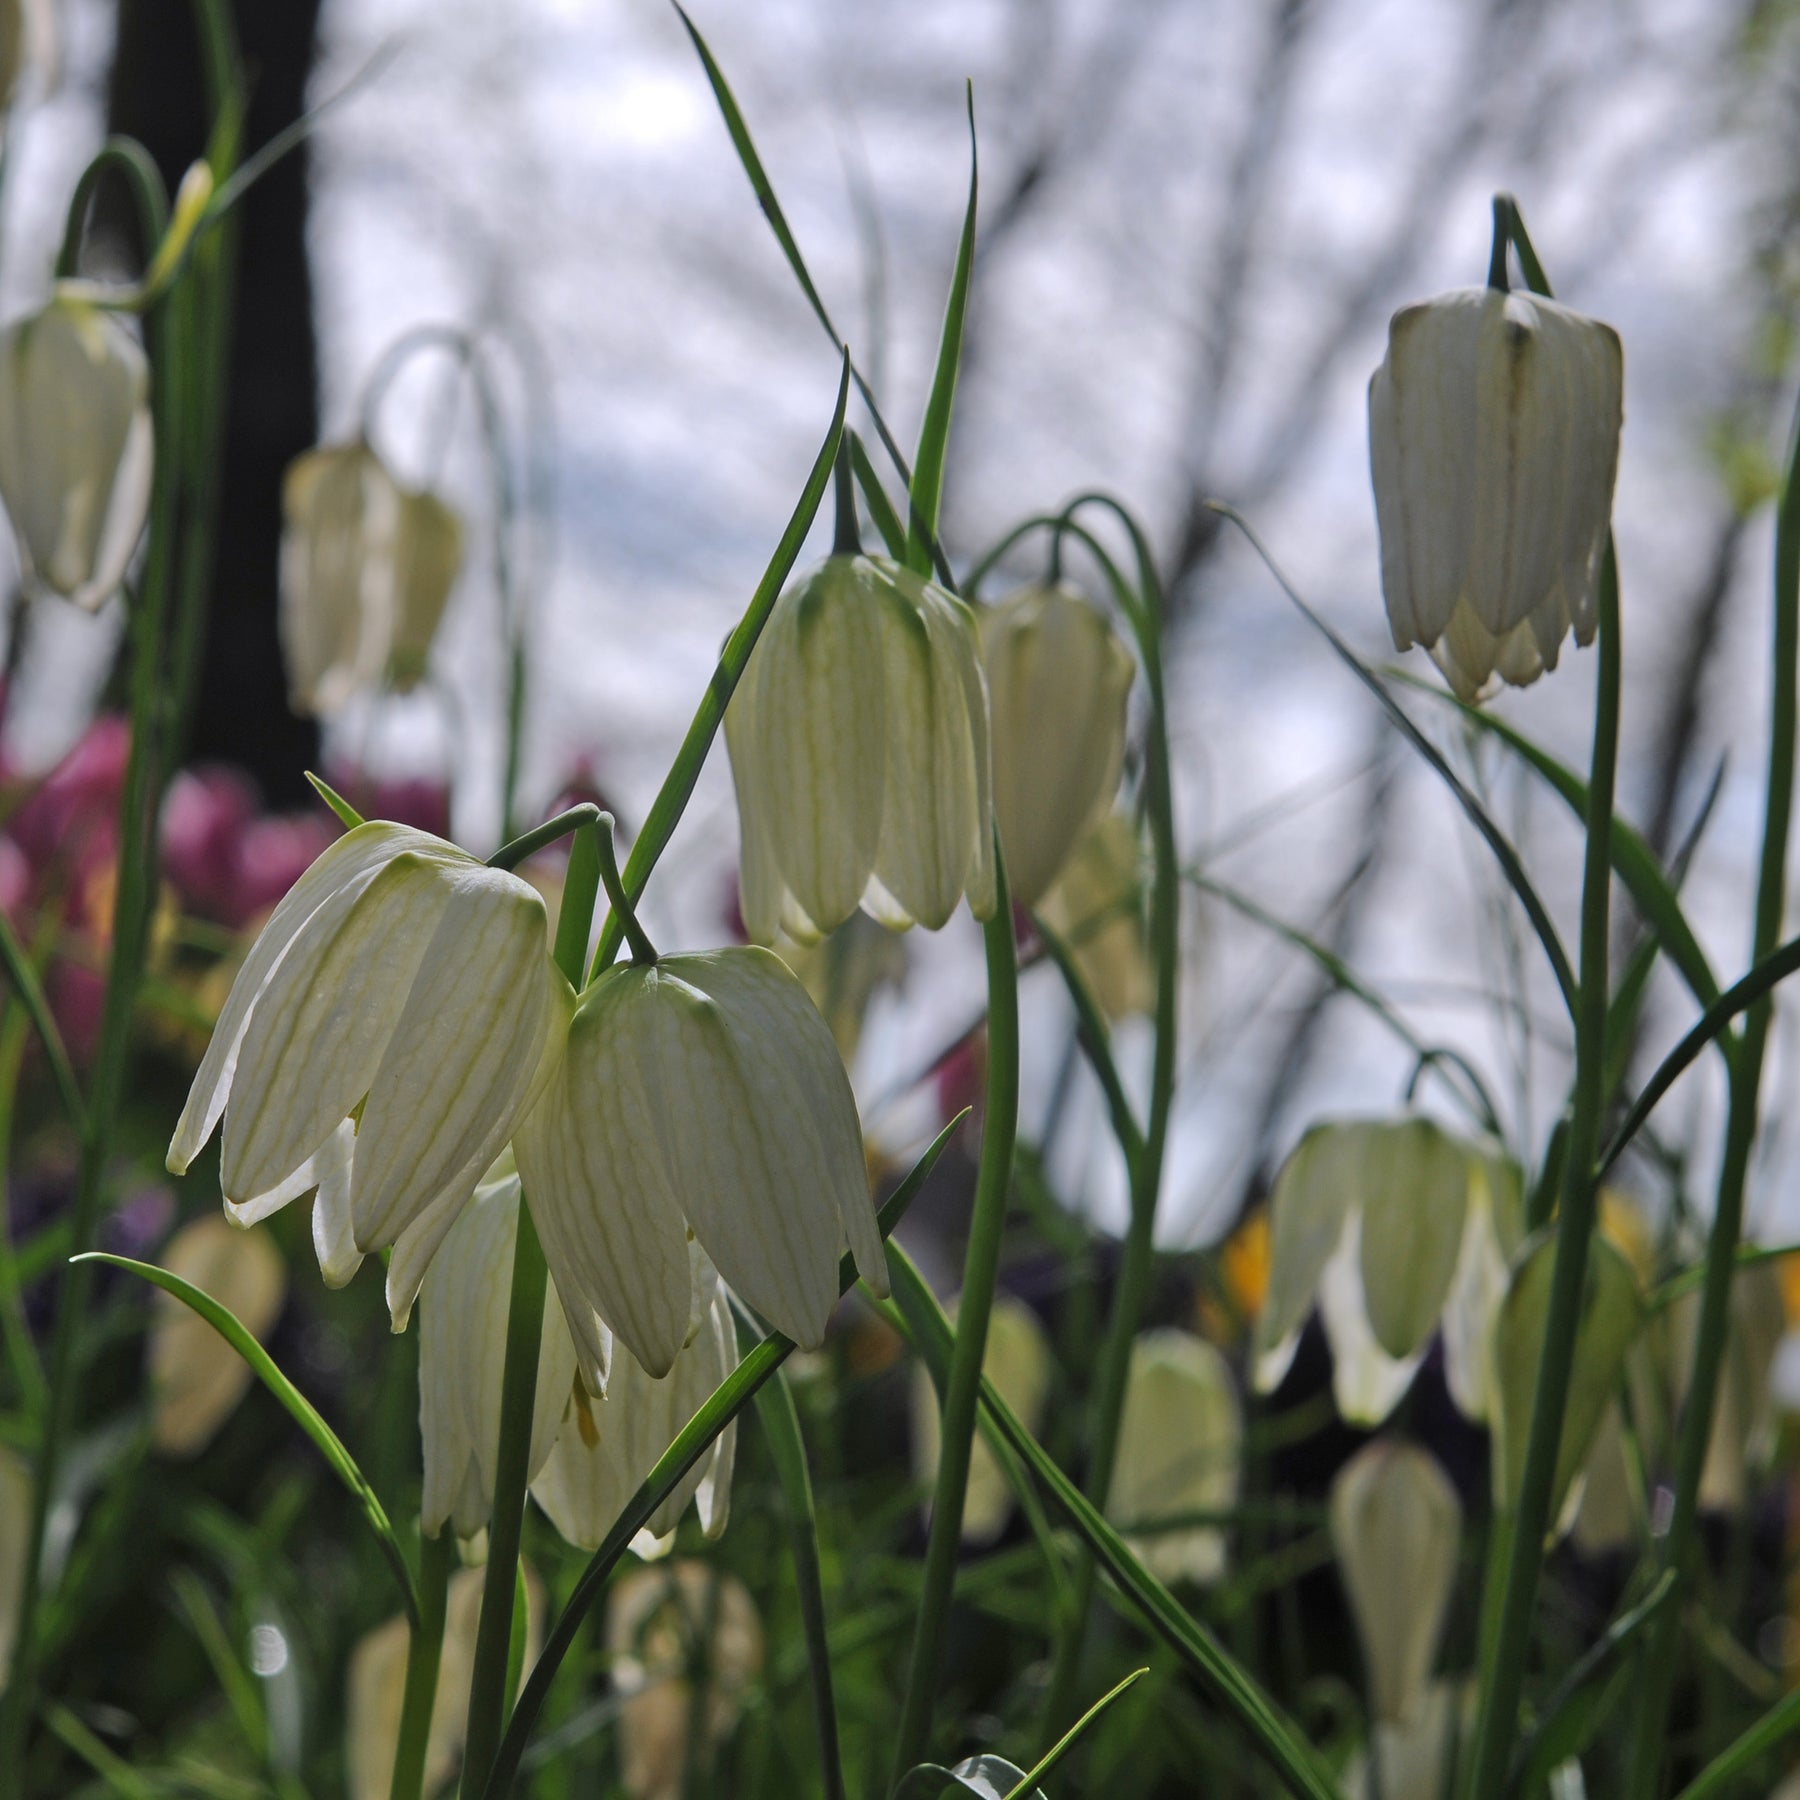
x: 424, y: 1653
x: 1512, y: 1636
x: 981, y: 1268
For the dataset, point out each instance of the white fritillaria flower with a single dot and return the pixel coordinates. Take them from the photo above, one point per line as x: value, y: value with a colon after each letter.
x: 394, y: 1019
x: 1494, y: 439
x: 75, y: 448
x: 366, y: 570
x: 1412, y: 1754
x: 463, y: 1308
x: 1396, y: 1525
x: 1017, y: 1361
x: 195, y: 1382
x: 664, y: 1626
x: 859, y: 749
x: 1097, y: 907
x: 1057, y: 681
x: 606, y: 1448
x: 700, y: 1095
x: 1181, y: 1444
x: 1394, y: 1228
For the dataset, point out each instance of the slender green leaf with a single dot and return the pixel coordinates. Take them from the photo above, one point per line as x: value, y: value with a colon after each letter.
x: 1779, y: 1723
x: 1495, y: 839
x: 1096, y: 1040
x: 731, y: 1396
x: 881, y: 508
x: 672, y: 798
x: 1737, y: 998
x: 346, y: 813
x: 263, y: 1365
x: 787, y: 1450
x: 1633, y: 861
x: 934, y: 434
x: 1564, y: 1727
x: 37, y: 1008
x: 1063, y: 1744
x: 1286, y: 1752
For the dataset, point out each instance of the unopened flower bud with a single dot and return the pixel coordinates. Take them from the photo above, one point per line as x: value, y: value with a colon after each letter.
x: 196, y: 1378
x: 75, y: 448
x: 1097, y: 908
x: 1494, y: 439
x: 1057, y: 680
x: 1396, y: 1525
x: 859, y: 749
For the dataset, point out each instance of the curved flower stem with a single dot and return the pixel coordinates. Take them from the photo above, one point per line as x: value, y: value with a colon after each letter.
x: 490, y: 1692
x: 981, y: 1268
x: 424, y: 1653
x: 1496, y: 1730
x: 1144, y: 1159
x: 1657, y: 1663
x: 643, y: 952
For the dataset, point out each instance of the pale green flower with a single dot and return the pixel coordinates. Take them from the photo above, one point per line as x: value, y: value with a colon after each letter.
x: 392, y: 1022
x: 76, y: 448
x: 607, y: 1447
x: 1057, y: 680
x: 859, y: 749
x: 1396, y: 1526
x: 1181, y: 1447
x: 1016, y: 1359
x: 1493, y: 440
x: 463, y: 1307
x: 367, y: 566
x: 702, y: 1096
x: 1394, y: 1228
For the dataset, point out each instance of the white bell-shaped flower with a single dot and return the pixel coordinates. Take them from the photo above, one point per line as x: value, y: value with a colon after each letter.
x: 196, y: 1379
x: 607, y: 1447
x: 859, y: 749
x: 76, y: 448
x: 1413, y: 1753
x: 1396, y: 1526
x: 1493, y: 441
x: 392, y: 1022
x: 463, y: 1307
x: 367, y: 566
x: 1394, y: 1228
x: 1181, y: 1451
x: 1057, y: 680
x: 700, y: 1095
x: 1098, y: 909
x: 1017, y: 1361
x: 665, y: 1628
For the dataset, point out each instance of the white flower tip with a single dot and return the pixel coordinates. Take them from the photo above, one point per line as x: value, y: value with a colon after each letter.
x: 176, y: 1162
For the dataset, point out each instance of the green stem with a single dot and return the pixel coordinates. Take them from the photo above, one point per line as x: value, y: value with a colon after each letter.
x: 510, y: 855
x: 1496, y: 1730
x: 643, y: 952
x: 981, y: 1268
x: 1657, y: 1664
x: 1496, y: 277
x: 846, y: 538
x: 488, y: 1696
x: 423, y: 1655
x: 1145, y: 1167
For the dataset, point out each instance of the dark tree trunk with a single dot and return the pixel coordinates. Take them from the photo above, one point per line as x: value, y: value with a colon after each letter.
x: 241, y: 711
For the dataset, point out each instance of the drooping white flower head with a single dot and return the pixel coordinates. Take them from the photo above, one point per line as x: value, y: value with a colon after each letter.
x: 1181, y: 1445
x: 662, y: 1626
x: 606, y: 1448
x: 699, y: 1094
x: 463, y: 1307
x: 1057, y: 680
x: 1396, y: 1526
x: 1017, y: 1361
x: 1494, y: 440
x: 367, y: 566
x: 389, y: 1026
x: 1394, y: 1228
x: 859, y: 749
x: 195, y: 1383
x: 1411, y: 1754
x: 75, y: 448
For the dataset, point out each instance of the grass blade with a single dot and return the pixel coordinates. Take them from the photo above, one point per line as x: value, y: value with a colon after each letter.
x: 1063, y: 1744
x: 934, y: 433
x: 881, y: 508
x: 1286, y: 1752
x: 671, y: 800
x: 732, y: 1395
x: 1781, y: 1721
x: 37, y: 1008
x: 1478, y: 816
x: 263, y: 1366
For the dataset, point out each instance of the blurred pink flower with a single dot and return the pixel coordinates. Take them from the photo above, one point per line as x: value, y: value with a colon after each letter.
x: 67, y: 826
x: 205, y: 817
x: 272, y: 854
x: 422, y: 801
